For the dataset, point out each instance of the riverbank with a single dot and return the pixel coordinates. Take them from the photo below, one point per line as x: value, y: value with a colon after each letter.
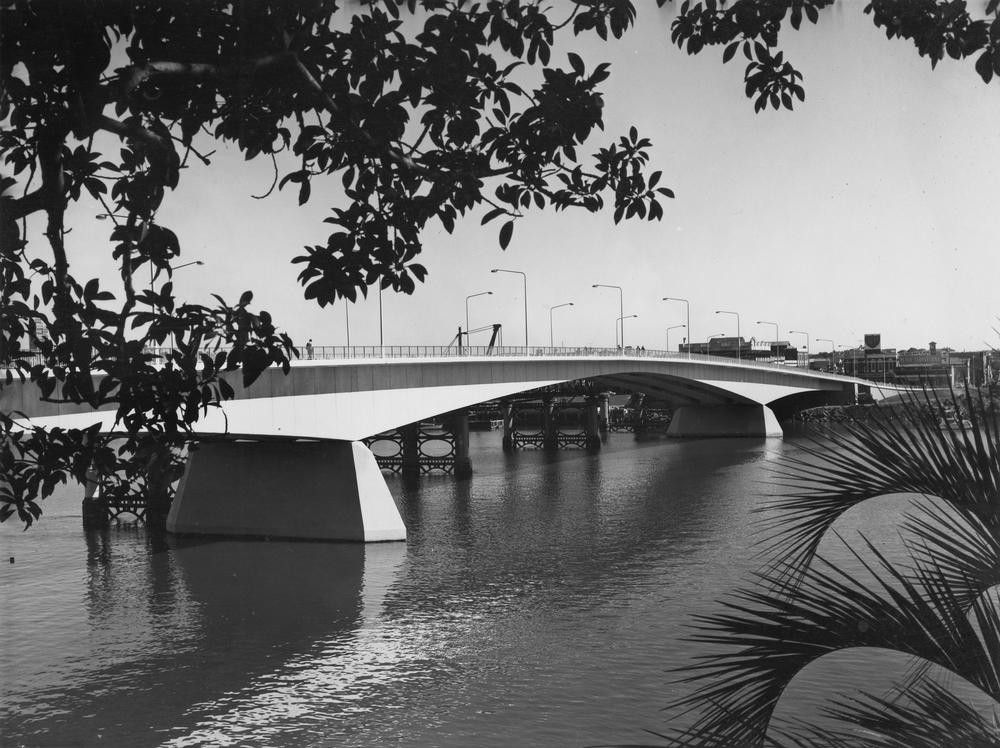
x: 949, y: 404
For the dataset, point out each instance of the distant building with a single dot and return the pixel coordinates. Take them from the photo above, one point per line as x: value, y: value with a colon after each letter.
x: 871, y: 361
x: 731, y: 347
x: 745, y: 349
x: 931, y: 366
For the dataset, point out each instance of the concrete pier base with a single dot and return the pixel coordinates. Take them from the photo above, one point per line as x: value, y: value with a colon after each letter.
x: 329, y: 490
x: 724, y: 420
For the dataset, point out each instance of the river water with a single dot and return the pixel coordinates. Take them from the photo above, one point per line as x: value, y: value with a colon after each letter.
x: 542, y: 602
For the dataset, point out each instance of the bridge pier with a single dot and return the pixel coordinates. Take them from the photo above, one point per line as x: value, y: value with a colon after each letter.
x: 409, y: 436
x: 724, y: 420
x: 329, y: 490
x: 592, y: 422
x: 95, y: 511
x: 458, y: 424
x: 550, y: 429
x: 411, y: 458
x: 508, y: 426
x: 605, y: 412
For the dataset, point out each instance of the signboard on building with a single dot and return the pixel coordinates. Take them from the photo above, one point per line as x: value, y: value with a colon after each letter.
x: 873, y: 341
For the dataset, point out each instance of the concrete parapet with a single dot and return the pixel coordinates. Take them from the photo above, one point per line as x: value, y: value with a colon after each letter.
x: 724, y: 420
x: 331, y: 490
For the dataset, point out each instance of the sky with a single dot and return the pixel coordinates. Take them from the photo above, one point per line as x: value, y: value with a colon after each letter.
x: 870, y: 208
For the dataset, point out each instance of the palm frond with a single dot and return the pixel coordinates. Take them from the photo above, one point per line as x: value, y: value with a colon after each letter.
x: 907, y: 448
x: 766, y: 637
x: 917, y: 720
x: 959, y: 552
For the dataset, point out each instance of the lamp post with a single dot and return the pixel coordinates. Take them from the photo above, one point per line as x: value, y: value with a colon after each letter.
x: 471, y: 296
x: 673, y: 327
x: 524, y: 278
x: 173, y: 268
x: 802, y: 332
x: 347, y: 322
x: 776, y: 333
x: 621, y: 320
x: 842, y: 349
x: 739, y: 344
x: 185, y: 264
x: 621, y: 307
x: 833, y: 349
x: 687, y: 309
x: 557, y: 306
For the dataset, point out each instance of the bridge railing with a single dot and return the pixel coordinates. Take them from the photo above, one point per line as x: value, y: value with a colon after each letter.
x: 375, y: 352
x: 321, y: 353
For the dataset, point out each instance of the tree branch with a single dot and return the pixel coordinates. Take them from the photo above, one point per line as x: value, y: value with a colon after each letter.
x: 199, y: 71
x: 134, y: 131
x: 17, y: 208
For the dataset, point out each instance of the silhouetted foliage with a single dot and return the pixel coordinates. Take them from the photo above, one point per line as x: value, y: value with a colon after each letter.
x: 420, y: 111
x: 938, y: 607
x: 417, y: 110
x: 752, y: 27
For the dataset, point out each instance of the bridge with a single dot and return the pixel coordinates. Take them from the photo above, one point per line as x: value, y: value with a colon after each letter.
x: 296, y: 440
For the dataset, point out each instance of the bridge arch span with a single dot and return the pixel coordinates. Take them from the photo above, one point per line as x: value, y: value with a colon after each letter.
x: 352, y: 399
x: 332, y: 488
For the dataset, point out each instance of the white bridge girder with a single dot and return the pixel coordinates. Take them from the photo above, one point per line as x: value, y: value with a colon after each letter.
x: 333, y: 489
x: 352, y: 400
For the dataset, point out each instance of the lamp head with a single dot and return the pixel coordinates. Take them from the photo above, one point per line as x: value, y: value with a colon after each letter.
x: 493, y: 270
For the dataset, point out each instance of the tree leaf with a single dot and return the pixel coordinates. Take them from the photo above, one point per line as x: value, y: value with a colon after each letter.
x: 506, y: 231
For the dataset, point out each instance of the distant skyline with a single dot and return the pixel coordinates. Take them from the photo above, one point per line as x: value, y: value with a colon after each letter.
x: 868, y: 209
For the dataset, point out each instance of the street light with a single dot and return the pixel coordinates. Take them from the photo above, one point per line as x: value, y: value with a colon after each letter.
x: 524, y: 277
x: 687, y: 308
x: 568, y: 303
x: 184, y: 265
x: 471, y: 296
x: 673, y: 327
x: 776, y: 333
x: 739, y: 345
x: 173, y: 343
x: 621, y: 320
x: 833, y: 352
x: 801, y: 332
x: 621, y: 307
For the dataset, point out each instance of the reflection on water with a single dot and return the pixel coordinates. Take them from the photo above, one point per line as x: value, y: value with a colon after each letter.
x: 540, y: 602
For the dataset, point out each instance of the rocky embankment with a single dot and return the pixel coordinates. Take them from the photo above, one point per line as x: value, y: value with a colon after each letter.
x: 836, y: 413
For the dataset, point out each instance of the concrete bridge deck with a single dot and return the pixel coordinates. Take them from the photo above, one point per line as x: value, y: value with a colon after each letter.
x: 351, y: 393
x: 332, y: 488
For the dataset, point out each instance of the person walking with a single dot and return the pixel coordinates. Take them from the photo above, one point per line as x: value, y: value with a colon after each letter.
x: 309, y: 349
